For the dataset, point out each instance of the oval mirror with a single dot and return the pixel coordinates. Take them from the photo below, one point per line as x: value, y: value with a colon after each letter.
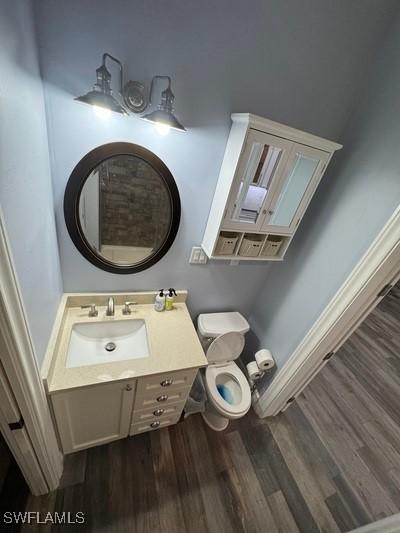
x: 122, y: 207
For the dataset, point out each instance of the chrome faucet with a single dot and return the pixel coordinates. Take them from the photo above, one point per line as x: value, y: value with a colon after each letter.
x: 110, y: 307
x: 127, y: 308
x: 93, y: 311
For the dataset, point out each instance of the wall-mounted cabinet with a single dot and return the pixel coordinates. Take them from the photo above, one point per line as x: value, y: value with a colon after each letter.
x: 268, y: 176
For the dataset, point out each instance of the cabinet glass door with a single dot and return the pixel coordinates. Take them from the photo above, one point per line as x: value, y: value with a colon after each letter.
x: 301, y: 178
x: 263, y: 158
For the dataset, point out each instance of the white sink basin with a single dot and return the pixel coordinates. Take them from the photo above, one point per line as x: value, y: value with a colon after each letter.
x: 106, y: 342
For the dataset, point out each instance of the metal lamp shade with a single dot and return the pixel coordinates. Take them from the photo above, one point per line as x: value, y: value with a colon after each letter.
x: 100, y: 99
x: 165, y: 118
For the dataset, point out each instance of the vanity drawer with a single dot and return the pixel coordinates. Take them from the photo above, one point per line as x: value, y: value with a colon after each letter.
x: 142, y: 427
x: 160, y: 399
x: 155, y: 413
x: 163, y: 383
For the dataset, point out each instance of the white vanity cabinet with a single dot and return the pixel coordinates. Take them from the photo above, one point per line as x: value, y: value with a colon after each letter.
x: 267, y: 179
x: 93, y: 415
x: 160, y: 400
x: 97, y: 414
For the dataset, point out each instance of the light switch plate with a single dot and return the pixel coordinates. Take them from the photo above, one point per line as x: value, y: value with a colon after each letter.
x: 198, y: 256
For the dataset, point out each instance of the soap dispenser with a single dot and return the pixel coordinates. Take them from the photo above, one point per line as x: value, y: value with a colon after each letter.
x: 159, y: 301
x: 169, y: 300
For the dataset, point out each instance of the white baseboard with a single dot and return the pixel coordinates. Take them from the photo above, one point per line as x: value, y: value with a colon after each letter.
x: 390, y: 524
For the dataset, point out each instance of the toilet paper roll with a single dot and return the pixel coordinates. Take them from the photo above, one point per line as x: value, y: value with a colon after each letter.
x: 264, y: 359
x: 253, y: 371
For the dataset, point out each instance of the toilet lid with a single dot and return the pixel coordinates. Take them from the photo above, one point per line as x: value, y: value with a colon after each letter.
x: 226, y: 347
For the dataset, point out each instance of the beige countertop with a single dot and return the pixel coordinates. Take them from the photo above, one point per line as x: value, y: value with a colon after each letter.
x: 172, y: 338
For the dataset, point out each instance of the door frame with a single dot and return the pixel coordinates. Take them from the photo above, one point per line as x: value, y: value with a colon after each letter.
x: 21, y: 370
x: 19, y: 443
x: 352, y: 303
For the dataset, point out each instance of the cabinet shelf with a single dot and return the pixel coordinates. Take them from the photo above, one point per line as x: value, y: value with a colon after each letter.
x: 268, y: 176
x: 239, y: 246
x: 240, y: 258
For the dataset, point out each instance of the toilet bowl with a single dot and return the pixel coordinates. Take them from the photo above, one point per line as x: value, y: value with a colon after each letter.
x: 228, y: 391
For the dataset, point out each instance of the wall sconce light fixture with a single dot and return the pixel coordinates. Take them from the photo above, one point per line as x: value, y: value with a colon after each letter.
x: 163, y: 117
x: 101, y: 95
x: 134, y: 98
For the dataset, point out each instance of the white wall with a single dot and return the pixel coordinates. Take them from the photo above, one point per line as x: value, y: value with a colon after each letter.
x: 299, y: 63
x: 25, y: 182
x: 356, y: 199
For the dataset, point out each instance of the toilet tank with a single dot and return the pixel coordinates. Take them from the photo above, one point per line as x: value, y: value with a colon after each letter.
x: 211, y: 325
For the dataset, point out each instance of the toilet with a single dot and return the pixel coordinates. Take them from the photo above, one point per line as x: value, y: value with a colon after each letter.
x: 227, y: 388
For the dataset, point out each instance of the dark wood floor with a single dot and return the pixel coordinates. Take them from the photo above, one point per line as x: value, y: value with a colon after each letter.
x: 331, y: 462
x: 14, y: 491
x: 5, y: 461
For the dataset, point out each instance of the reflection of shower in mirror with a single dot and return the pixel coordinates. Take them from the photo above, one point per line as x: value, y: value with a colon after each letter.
x: 124, y: 210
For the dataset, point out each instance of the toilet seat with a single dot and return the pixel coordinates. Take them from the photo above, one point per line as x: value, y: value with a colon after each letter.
x: 234, y: 378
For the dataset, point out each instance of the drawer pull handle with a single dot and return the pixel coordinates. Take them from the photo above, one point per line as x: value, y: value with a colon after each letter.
x: 166, y: 383
x: 162, y: 398
x: 155, y: 424
x: 158, y: 412
x: 128, y: 387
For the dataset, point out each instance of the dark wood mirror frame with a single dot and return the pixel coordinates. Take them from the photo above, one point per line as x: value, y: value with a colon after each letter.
x: 72, y: 195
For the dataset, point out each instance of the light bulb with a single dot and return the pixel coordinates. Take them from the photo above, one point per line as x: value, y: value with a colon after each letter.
x: 163, y: 129
x: 102, y: 112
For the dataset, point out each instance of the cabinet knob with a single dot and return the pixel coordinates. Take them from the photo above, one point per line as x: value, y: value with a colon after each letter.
x: 166, y: 383
x: 155, y: 424
x: 162, y: 398
x: 158, y: 412
x: 128, y: 387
